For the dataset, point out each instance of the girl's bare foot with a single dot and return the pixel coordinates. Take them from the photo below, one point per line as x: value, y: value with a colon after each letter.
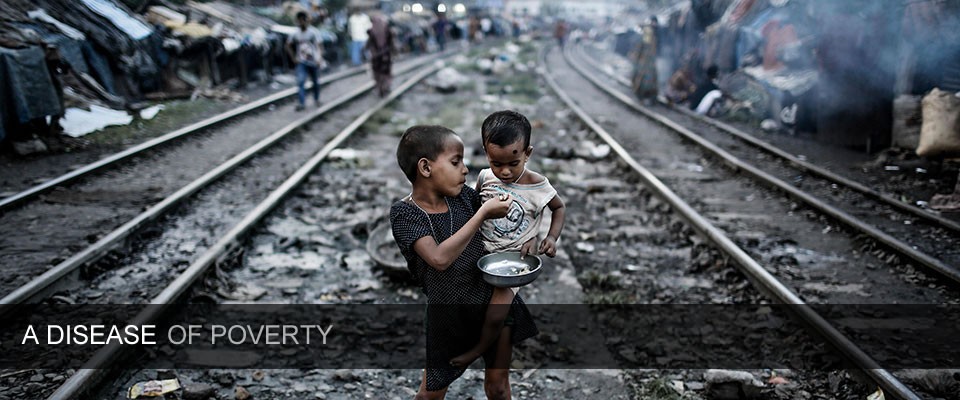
x: 464, y: 360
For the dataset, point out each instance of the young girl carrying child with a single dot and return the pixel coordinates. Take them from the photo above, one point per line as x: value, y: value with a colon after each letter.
x: 506, y: 141
x: 435, y: 228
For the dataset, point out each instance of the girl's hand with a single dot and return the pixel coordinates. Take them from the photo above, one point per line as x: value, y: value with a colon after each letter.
x: 496, y: 207
x: 530, y: 247
x: 548, y: 246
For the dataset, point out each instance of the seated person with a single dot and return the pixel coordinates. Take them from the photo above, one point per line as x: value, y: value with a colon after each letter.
x: 706, y: 87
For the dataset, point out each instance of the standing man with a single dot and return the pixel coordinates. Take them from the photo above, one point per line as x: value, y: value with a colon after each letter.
x: 380, y: 46
x: 644, y: 57
x: 473, y: 30
x: 440, y: 30
x: 560, y: 32
x: 359, y: 23
x: 305, y: 47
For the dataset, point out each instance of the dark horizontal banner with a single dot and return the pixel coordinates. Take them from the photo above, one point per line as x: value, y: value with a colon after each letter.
x: 392, y: 336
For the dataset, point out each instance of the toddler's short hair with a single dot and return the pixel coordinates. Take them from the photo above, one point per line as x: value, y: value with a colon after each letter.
x: 420, y: 141
x: 504, y: 128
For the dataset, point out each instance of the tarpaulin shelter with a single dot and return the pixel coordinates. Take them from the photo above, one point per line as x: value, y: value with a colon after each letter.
x: 113, y: 41
x: 26, y: 87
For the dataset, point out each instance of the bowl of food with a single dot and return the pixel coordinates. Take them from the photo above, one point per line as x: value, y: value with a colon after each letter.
x: 508, y: 269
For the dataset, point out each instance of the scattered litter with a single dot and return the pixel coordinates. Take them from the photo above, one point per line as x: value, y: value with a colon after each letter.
x: 632, y: 268
x: 153, y: 388
x: 485, y: 65
x: 777, y: 380
x: 891, y: 168
x: 447, y: 80
x: 945, y: 202
x: 768, y: 125
x: 240, y: 393
x: 285, y: 79
x: 28, y: 147
x: 150, y: 112
x: 489, y: 98
x: 722, y: 383
x: 347, y: 154
x: 592, y: 151
x: 585, y: 247
x: 77, y: 122
x: 878, y: 395
x: 677, y: 386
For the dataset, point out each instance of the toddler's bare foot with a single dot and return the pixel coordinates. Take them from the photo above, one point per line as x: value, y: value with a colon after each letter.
x: 464, y: 360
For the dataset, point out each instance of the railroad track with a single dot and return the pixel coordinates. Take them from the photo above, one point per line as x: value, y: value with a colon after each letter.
x: 52, y: 279
x: 102, y: 363
x: 918, y: 236
x: 636, y: 148
x: 31, y: 193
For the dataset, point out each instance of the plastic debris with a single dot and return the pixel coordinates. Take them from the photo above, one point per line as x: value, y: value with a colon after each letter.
x: 150, y: 112
x: 447, y: 80
x: 878, y: 395
x: 125, y: 22
x: 77, y: 122
x: 768, y: 125
x: 153, y: 388
x: 777, y: 380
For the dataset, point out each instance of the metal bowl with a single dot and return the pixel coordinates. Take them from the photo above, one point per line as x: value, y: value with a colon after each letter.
x: 508, y: 270
x: 384, y: 251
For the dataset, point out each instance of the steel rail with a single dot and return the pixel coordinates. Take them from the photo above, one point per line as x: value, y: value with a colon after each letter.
x: 21, y: 197
x: 739, y: 165
x: 769, y: 284
x: 37, y: 287
x: 802, y: 165
x: 88, y: 377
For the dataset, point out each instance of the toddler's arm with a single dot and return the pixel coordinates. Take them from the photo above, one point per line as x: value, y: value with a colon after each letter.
x: 549, y: 244
x: 441, y: 256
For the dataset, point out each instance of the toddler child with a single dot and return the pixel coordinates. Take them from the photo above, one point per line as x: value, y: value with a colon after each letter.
x: 506, y: 142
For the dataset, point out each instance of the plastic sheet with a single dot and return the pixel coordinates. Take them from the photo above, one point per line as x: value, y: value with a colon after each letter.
x: 129, y: 25
x: 71, y: 32
x: 29, y: 88
x: 77, y: 122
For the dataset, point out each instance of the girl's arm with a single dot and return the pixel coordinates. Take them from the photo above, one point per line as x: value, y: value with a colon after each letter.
x: 441, y: 256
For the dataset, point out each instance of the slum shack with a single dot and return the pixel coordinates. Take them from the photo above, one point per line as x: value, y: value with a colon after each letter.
x: 833, y: 69
x: 58, y: 54
x: 73, y: 66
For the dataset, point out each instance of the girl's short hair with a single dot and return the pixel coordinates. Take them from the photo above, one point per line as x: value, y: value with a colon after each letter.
x: 504, y: 128
x: 420, y: 141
